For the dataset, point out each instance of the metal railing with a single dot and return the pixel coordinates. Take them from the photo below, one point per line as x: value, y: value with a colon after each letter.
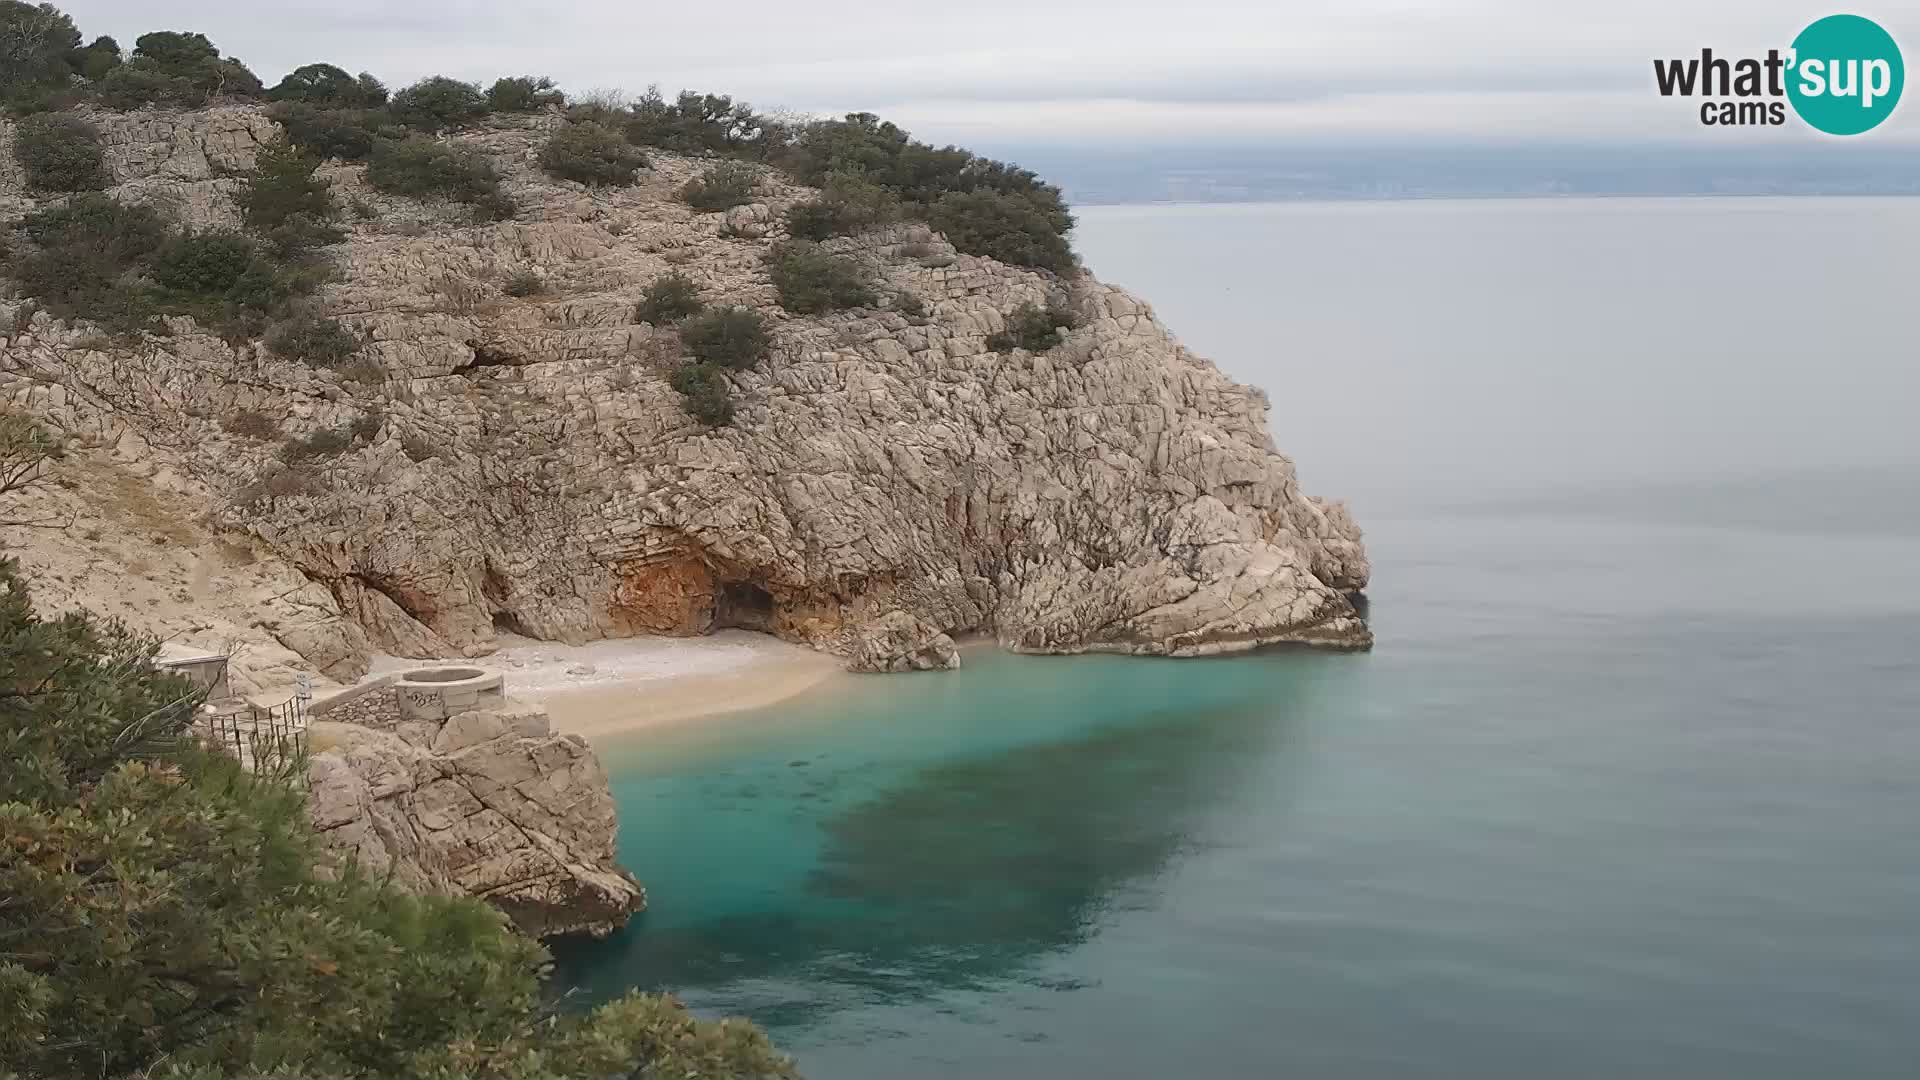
x: 261, y: 737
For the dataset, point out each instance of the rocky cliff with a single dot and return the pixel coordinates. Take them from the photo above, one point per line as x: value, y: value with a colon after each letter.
x: 889, y: 480
x: 489, y: 803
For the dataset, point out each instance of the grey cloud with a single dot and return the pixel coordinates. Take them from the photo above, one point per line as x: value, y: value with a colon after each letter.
x: 1462, y: 67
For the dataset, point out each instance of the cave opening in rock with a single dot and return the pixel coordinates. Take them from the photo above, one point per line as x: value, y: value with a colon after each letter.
x: 505, y: 623
x: 744, y: 605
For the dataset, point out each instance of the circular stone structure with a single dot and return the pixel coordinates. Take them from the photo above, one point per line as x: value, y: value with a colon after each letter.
x: 436, y: 693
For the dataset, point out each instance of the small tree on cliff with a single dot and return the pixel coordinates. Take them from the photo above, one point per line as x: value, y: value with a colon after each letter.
x: 163, y: 914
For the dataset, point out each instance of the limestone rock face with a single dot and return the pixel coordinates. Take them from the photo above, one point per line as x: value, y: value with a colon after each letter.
x: 487, y: 804
x: 901, y: 641
x: 888, y: 481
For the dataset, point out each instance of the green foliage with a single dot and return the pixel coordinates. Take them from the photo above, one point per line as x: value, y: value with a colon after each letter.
x: 669, y: 298
x: 225, y: 281
x: 1011, y: 228
x: 205, y: 264
x: 523, y: 94
x: 849, y: 202
x: 164, y: 912
x: 183, y: 70
x: 422, y: 168
x: 701, y: 123
x: 330, y: 87
x: 36, y: 41
x: 728, y: 337
x: 811, y: 281
x: 347, y: 134
x: 1033, y: 328
x: 82, y: 259
x: 287, y: 204
x: 93, y: 258
x: 705, y: 393
x: 908, y: 304
x: 1006, y: 213
x: 524, y: 283
x: 60, y: 152
x: 313, y: 339
x: 722, y: 187
x: 97, y: 60
x: 438, y: 103
x: 77, y: 699
x: 591, y: 154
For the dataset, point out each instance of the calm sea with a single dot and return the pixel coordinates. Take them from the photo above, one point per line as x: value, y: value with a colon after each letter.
x: 1629, y: 788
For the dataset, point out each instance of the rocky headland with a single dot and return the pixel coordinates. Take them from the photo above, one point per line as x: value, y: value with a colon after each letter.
x: 520, y: 462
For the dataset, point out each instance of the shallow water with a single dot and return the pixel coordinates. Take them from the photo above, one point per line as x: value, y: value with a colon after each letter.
x: 1628, y: 789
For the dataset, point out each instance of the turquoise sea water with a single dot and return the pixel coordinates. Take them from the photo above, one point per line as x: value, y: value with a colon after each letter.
x: 1629, y: 788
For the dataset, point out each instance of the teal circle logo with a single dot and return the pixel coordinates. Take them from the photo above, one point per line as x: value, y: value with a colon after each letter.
x: 1846, y: 75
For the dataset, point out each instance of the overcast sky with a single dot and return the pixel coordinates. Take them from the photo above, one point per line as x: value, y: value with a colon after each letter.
x: 1071, y: 70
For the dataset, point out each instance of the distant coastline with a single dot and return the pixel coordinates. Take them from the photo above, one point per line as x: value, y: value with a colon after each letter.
x: 1109, y: 176
x: 1487, y: 197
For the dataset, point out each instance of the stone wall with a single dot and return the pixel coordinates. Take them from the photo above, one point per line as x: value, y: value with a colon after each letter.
x: 370, y: 705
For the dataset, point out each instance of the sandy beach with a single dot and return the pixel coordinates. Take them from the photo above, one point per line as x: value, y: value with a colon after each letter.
x: 607, y: 688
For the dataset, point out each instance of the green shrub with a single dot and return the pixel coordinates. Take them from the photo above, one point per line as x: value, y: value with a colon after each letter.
x: 910, y: 305
x: 330, y: 87
x: 705, y: 393
x: 1033, y: 328
x: 36, y: 41
x: 224, y: 281
x: 287, y: 204
x: 729, y: 337
x: 986, y: 207
x: 523, y: 94
x: 591, y: 154
x: 132, y: 85
x: 811, y: 281
x: 364, y: 427
x: 205, y: 263
x: 722, y: 187
x: 524, y: 283
x: 313, y: 339
x: 668, y: 298
x: 438, y: 103
x: 81, y: 259
x: 184, y: 70
x: 850, y: 203
x: 60, y: 152
x: 700, y: 123
x: 97, y: 60
x: 347, y: 134
x: 422, y: 168
x: 1009, y: 228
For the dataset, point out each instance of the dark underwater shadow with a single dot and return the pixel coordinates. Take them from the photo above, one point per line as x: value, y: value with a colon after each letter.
x: 967, y: 872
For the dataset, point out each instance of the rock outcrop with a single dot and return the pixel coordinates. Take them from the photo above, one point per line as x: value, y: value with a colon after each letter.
x: 889, y: 480
x: 489, y: 804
